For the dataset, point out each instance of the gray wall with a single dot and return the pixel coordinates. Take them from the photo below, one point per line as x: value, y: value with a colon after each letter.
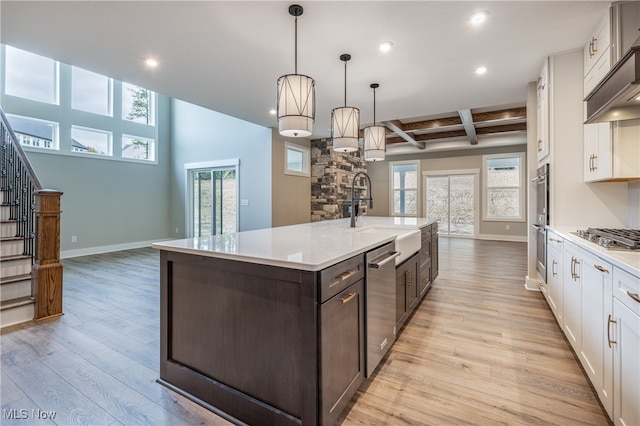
x: 109, y: 202
x: 452, y: 160
x: 199, y: 135
x: 291, y: 195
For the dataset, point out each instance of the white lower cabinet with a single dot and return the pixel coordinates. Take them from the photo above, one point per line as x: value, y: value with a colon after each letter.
x: 624, y: 338
x: 553, y: 290
x: 572, y: 296
x: 595, y: 354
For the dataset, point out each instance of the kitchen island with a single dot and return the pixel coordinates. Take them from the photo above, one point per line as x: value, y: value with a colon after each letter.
x: 267, y: 326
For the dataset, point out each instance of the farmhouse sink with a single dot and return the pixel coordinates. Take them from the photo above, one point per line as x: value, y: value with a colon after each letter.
x: 408, y: 241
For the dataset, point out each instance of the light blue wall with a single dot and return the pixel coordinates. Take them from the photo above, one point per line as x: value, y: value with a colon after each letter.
x: 200, y: 135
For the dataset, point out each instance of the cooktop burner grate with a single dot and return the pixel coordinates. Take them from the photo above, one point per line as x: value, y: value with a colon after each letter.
x: 627, y: 238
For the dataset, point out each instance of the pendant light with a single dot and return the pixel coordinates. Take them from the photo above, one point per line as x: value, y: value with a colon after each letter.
x: 345, y: 121
x: 296, y: 96
x: 375, y: 137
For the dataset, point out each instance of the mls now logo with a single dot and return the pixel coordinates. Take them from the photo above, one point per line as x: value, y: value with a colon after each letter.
x: 23, y: 414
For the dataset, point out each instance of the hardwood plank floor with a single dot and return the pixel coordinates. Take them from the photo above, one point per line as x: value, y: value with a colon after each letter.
x: 480, y: 349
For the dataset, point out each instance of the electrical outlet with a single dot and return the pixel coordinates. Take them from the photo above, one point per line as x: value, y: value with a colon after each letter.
x: 177, y: 231
x: 507, y: 227
x: 74, y: 239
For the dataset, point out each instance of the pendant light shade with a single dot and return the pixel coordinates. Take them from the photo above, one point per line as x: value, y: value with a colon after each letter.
x: 345, y: 121
x: 375, y: 137
x: 296, y: 96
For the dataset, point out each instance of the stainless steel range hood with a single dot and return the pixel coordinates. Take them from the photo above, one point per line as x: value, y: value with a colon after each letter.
x: 617, y: 96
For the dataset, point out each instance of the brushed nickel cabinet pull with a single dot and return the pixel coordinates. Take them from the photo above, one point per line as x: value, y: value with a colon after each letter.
x: 601, y: 269
x: 539, y: 145
x: 553, y: 268
x: 594, y: 43
x: 348, y: 298
x: 555, y: 240
x: 595, y: 162
x: 574, y: 274
x: 634, y: 296
x: 609, y: 322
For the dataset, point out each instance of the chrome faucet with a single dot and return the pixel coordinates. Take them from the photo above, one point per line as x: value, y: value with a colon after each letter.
x: 354, y: 199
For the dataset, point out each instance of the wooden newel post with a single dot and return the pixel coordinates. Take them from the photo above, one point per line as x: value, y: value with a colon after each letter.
x: 46, y: 273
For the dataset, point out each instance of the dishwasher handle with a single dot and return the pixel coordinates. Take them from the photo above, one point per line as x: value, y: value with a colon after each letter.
x: 392, y: 255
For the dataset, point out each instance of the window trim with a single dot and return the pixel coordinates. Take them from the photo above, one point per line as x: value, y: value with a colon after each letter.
x: 417, y: 189
x: 306, y: 160
x: 522, y: 188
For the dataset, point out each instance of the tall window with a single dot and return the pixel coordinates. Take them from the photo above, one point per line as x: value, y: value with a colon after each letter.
x: 404, y: 184
x: 138, y: 104
x: 91, y: 92
x: 504, y: 190
x: 30, y: 76
x: 451, y: 201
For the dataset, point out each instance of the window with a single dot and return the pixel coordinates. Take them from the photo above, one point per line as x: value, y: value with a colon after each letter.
x: 31, y: 76
x: 138, y: 104
x: 90, y: 141
x: 503, y: 187
x: 451, y: 200
x: 296, y: 159
x: 404, y: 184
x: 138, y: 148
x: 33, y: 132
x: 91, y: 92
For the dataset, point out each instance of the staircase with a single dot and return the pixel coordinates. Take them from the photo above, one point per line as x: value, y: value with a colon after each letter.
x: 30, y: 269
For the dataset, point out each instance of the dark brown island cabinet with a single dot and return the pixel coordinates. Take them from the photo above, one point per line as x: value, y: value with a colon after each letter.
x: 267, y: 345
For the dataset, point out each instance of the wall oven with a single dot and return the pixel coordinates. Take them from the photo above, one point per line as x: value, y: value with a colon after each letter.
x: 542, y: 218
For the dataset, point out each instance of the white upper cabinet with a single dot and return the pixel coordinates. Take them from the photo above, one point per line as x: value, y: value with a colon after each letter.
x: 598, y: 45
x: 543, y: 99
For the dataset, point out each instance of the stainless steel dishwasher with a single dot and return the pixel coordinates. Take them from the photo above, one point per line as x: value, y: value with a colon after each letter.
x: 380, y: 305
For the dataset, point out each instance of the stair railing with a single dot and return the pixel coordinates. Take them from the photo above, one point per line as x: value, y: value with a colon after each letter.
x: 36, y: 212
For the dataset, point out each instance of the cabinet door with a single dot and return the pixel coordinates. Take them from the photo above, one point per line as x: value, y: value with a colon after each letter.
x: 402, y: 309
x: 543, y: 112
x: 555, y: 288
x: 595, y: 354
x: 411, y: 281
x: 572, y: 296
x: 626, y: 365
x: 597, y: 151
x: 598, y: 44
x: 342, y: 365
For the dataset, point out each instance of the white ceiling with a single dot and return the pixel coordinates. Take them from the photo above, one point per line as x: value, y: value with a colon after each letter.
x: 228, y: 55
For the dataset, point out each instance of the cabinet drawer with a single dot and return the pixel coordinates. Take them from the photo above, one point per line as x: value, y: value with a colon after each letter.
x: 626, y: 288
x: 336, y: 278
x: 554, y: 242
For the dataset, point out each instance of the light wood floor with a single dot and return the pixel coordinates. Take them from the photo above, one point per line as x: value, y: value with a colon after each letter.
x: 480, y: 349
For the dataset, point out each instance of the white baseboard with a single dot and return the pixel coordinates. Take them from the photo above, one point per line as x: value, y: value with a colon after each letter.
x: 65, y: 254
x: 531, y: 284
x: 515, y: 238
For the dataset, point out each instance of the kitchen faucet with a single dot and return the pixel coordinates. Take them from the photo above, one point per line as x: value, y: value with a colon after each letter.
x: 354, y: 199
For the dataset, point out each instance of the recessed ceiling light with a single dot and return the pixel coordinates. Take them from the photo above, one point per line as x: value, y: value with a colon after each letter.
x: 479, y: 17
x: 481, y: 70
x: 151, y: 62
x: 385, y: 46
x: 272, y: 111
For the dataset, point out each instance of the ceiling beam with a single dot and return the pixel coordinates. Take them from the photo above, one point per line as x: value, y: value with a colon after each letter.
x: 515, y: 127
x: 504, y: 114
x: 469, y: 128
x: 396, y: 127
x: 431, y: 124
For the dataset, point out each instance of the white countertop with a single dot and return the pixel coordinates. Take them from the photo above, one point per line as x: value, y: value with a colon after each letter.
x: 627, y: 260
x: 308, y: 246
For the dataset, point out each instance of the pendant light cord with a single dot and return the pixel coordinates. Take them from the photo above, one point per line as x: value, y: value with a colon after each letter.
x: 345, y: 83
x: 296, y: 46
x: 374, y: 106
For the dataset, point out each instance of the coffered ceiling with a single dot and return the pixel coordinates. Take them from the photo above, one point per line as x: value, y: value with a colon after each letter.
x: 228, y: 55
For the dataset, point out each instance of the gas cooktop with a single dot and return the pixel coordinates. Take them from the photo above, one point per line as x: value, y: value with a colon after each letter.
x: 610, y: 238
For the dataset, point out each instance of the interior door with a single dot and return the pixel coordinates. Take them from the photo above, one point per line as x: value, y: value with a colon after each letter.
x: 213, y: 206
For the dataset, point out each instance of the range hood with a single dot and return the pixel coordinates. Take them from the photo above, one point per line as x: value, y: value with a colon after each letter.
x: 617, y: 96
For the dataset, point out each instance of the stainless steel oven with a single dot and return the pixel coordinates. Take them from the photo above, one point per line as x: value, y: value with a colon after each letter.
x: 542, y: 218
